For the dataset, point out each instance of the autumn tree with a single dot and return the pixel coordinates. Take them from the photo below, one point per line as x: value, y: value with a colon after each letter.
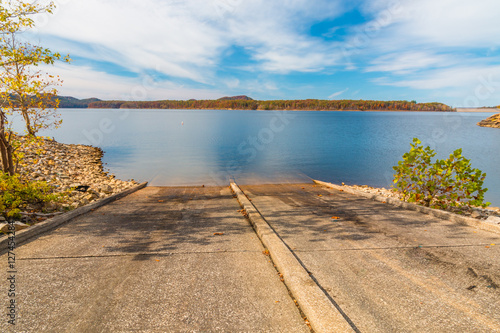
x: 24, y: 88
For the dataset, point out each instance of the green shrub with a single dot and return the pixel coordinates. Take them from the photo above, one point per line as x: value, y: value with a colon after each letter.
x: 16, y: 195
x: 445, y: 183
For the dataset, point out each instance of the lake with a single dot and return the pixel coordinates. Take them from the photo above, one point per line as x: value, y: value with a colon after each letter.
x: 209, y: 147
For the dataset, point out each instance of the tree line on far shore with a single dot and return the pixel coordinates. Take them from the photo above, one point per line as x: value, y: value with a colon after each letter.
x: 307, y: 104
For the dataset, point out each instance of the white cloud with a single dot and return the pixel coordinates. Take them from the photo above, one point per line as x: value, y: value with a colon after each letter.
x: 140, y: 35
x: 189, y: 39
x: 443, y: 23
x: 408, y: 62
x: 452, y: 23
x: 258, y: 86
x: 451, y: 78
x: 232, y: 83
x: 427, y: 28
x: 338, y: 93
x: 186, y: 38
x: 445, y: 47
x: 84, y: 82
x: 466, y: 86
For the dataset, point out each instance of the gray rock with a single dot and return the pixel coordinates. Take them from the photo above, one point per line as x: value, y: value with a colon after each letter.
x: 106, y: 189
x: 475, y: 214
x: 90, y: 196
x: 18, y: 225
x: 493, y: 219
x: 4, y: 227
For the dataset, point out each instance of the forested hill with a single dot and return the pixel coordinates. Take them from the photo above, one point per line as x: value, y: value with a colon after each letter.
x: 249, y: 104
x: 64, y: 101
x: 71, y: 102
x: 236, y: 98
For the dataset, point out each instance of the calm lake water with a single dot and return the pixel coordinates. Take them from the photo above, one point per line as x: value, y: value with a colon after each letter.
x: 195, y: 147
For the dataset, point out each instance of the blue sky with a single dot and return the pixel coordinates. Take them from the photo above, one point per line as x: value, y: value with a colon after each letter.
x: 425, y: 50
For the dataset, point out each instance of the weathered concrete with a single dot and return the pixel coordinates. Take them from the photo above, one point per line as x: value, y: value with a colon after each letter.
x: 489, y: 225
x: 321, y: 312
x: 388, y: 269
x: 159, y: 260
x: 56, y: 221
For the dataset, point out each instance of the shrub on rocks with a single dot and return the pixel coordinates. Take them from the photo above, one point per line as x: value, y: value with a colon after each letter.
x: 18, y: 195
x: 445, y: 183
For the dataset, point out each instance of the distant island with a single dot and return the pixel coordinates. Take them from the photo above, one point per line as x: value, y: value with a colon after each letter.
x: 246, y: 103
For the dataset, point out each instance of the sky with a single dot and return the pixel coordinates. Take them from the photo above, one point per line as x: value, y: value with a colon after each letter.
x: 424, y: 50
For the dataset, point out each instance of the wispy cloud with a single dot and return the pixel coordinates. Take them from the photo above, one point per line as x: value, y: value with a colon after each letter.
x: 186, y: 38
x: 409, y: 62
x: 417, y: 45
x: 338, y: 93
x: 84, y: 82
x: 450, y: 78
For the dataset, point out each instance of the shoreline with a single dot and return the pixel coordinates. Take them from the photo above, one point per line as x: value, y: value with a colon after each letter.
x: 478, y: 110
x: 78, y: 170
x: 259, y: 110
x: 73, y: 169
x: 491, y: 122
x: 457, y: 110
x: 477, y: 213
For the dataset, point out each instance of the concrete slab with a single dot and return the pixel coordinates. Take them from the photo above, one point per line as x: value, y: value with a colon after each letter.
x: 323, y: 314
x: 159, y: 260
x: 389, y: 270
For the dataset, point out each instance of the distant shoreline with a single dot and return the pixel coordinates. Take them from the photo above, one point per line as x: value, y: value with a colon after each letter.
x: 294, y: 110
x: 492, y: 110
x: 247, y: 103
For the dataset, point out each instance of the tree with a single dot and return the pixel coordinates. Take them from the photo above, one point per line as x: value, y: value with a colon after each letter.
x: 31, y: 93
x: 24, y: 89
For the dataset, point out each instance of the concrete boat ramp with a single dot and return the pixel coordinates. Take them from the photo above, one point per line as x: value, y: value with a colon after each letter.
x: 267, y: 258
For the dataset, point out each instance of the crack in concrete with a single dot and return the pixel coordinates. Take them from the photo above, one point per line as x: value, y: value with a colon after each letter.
x: 158, y: 254
x: 395, y: 248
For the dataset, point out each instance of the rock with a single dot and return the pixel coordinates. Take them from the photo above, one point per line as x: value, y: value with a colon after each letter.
x: 493, y: 220
x: 90, y: 197
x: 493, y: 121
x: 18, y: 225
x: 475, y: 214
x: 106, y: 189
x: 94, y: 192
x: 68, y: 166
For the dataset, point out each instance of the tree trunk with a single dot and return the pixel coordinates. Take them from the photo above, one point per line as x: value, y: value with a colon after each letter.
x: 6, y: 154
x: 6, y: 150
x: 27, y: 121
